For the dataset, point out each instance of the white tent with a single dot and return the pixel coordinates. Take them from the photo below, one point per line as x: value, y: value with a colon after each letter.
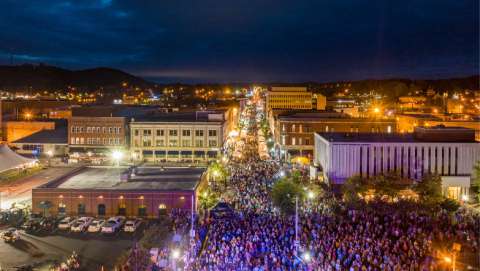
x: 9, y: 159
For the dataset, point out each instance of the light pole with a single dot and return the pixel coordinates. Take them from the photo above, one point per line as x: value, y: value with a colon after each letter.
x: 175, y: 255
x: 49, y: 155
x: 297, y: 242
x: 117, y: 156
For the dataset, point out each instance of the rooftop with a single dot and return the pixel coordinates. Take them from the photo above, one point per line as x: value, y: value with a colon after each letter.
x: 156, y: 179
x: 193, y: 116
x: 421, y: 134
x: 57, y: 136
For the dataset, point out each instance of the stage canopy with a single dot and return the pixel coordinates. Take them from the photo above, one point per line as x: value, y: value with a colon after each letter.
x: 9, y: 159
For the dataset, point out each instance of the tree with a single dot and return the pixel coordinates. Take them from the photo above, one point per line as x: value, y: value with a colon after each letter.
x: 208, y: 199
x: 354, y: 187
x: 284, y: 193
x: 450, y: 205
x: 387, y: 185
x: 429, y: 189
x: 476, y: 180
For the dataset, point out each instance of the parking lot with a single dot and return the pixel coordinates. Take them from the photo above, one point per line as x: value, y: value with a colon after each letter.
x: 41, y: 251
x: 40, y: 246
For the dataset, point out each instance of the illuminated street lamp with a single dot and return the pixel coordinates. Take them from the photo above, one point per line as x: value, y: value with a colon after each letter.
x: 117, y: 156
x: 307, y: 257
x: 49, y: 155
x: 310, y: 194
x: 175, y: 255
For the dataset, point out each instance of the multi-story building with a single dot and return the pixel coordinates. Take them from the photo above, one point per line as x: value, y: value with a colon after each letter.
x: 450, y: 152
x: 178, y: 137
x: 294, y: 132
x: 96, y: 131
x: 408, y: 122
x: 289, y: 98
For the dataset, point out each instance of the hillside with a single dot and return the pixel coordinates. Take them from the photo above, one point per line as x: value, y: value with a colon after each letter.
x: 42, y: 77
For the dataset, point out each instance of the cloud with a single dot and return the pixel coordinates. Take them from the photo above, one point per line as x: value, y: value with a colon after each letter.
x: 247, y: 40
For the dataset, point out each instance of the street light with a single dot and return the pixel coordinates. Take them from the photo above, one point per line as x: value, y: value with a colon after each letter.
x: 310, y: 194
x: 117, y: 156
x: 307, y: 257
x: 175, y: 254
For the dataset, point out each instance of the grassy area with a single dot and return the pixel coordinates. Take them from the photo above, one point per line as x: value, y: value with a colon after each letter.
x: 12, y: 175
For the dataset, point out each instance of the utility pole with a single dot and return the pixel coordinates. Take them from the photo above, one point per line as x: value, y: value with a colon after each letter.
x: 297, y: 243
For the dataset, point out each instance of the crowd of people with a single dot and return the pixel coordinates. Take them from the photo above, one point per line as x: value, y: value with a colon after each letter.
x: 376, y: 236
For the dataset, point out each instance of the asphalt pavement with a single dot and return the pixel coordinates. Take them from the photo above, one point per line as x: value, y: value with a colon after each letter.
x: 95, y: 250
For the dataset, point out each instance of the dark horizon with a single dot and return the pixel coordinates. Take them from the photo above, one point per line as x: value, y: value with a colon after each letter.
x: 264, y: 41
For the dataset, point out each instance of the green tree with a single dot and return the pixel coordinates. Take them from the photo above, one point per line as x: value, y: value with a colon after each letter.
x: 284, y: 193
x: 354, y: 187
x: 208, y: 199
x: 429, y: 189
x: 450, y: 205
x: 387, y: 185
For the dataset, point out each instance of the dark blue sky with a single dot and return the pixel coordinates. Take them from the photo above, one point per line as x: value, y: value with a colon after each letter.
x: 247, y: 40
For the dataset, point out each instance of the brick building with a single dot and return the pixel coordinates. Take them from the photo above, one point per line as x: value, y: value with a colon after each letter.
x: 104, y: 192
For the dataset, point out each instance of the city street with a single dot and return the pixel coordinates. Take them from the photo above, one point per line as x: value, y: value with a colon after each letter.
x: 21, y: 190
x: 95, y: 251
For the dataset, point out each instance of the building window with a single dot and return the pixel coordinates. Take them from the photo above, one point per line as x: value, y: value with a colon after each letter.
x: 185, y: 143
x: 185, y: 132
x: 73, y: 129
x: 212, y: 143
x: 198, y: 132
x: 326, y: 128
x: 173, y: 133
x: 172, y: 143
x: 293, y: 128
x: 147, y: 132
x: 136, y: 131
x: 160, y: 132
x: 199, y: 143
x: 160, y: 143
x: 147, y: 143
x: 293, y: 141
x: 212, y: 132
x: 389, y: 129
x: 89, y: 130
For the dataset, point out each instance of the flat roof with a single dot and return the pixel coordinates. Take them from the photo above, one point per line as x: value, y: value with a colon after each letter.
x: 200, y: 116
x: 380, y: 137
x: 57, y: 136
x: 155, y: 179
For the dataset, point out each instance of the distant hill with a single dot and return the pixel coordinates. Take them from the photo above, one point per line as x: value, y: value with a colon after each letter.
x: 43, y: 77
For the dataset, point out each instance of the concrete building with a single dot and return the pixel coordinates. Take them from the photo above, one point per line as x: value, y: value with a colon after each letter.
x: 450, y: 152
x: 103, y: 192
x: 178, y: 137
x: 289, y: 98
x: 294, y: 131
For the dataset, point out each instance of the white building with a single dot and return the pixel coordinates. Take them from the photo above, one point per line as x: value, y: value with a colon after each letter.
x: 449, y: 152
x: 178, y: 137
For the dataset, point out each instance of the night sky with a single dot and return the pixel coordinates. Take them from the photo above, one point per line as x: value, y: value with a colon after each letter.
x: 247, y: 40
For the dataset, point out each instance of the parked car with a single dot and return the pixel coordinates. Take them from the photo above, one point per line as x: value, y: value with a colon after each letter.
x: 66, y: 223
x: 81, y: 224
x: 96, y: 225
x: 132, y: 225
x: 113, y: 224
x: 11, y: 235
